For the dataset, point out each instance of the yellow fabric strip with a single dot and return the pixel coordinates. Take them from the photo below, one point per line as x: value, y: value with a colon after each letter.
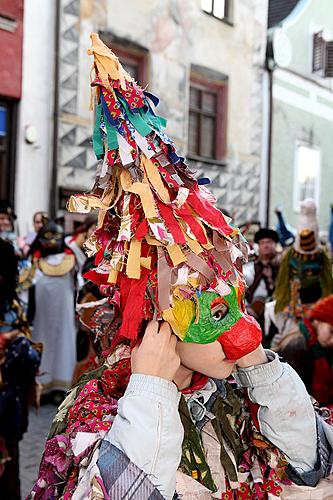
x: 193, y: 245
x: 113, y: 276
x: 143, y: 190
x: 208, y: 246
x: 155, y: 178
x: 169, y: 318
x: 85, y: 204
x: 176, y: 255
x: 153, y: 241
x: 133, y: 259
x: 107, y: 63
x: 145, y: 262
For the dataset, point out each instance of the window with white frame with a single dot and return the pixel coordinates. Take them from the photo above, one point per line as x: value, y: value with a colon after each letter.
x: 221, y: 9
x: 307, y: 174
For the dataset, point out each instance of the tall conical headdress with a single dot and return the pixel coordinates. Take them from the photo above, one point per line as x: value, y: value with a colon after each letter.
x: 159, y: 240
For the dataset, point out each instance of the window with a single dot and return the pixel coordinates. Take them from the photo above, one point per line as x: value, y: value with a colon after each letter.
x: 132, y: 56
x: 307, y: 175
x: 221, y: 9
x: 134, y: 65
x: 207, y: 119
x: 7, y: 136
x: 322, y: 55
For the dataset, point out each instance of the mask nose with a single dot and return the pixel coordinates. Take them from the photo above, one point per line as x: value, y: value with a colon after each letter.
x: 242, y: 338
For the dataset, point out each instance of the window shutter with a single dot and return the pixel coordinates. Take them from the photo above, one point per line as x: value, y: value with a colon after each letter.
x: 329, y: 60
x: 318, y: 52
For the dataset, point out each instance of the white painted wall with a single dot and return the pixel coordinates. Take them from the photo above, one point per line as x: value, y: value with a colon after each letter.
x: 33, y: 164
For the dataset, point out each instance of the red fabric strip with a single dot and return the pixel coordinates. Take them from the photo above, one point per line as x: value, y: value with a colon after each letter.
x: 141, y: 230
x: 132, y: 293
x: 171, y: 223
x: 207, y: 212
x: 195, y: 227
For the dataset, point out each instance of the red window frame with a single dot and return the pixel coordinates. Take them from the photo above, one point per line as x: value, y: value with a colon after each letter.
x: 220, y: 89
x: 134, y: 58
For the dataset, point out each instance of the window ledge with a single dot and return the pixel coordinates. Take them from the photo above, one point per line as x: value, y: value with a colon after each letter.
x: 209, y: 161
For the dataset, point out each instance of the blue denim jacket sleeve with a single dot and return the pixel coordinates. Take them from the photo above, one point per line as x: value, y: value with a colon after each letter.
x: 287, y: 418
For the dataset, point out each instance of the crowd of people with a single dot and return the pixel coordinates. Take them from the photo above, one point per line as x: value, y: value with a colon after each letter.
x: 40, y: 340
x: 290, y: 293
x: 152, y: 344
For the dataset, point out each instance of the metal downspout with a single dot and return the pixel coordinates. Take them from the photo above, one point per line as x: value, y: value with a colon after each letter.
x: 53, y: 203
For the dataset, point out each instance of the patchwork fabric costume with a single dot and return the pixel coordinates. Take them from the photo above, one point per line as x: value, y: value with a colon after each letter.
x: 162, y: 251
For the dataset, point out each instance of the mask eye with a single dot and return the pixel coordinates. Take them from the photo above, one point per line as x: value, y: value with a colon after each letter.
x: 219, y: 312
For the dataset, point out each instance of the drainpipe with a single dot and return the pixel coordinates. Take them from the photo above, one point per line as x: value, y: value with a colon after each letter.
x: 53, y: 196
x: 266, y: 183
x: 269, y: 148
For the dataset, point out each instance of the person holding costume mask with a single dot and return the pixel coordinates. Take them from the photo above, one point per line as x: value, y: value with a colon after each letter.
x: 158, y: 415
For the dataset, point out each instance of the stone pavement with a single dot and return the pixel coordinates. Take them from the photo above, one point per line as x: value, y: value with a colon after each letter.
x: 32, y: 445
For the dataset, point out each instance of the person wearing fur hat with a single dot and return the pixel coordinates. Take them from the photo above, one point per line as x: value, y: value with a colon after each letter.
x: 260, y: 274
x: 159, y: 416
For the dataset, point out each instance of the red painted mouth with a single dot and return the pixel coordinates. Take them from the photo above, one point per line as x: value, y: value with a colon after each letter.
x: 242, y: 338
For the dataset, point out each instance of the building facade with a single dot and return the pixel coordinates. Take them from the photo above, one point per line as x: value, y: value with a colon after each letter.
x: 203, y: 58
x: 11, y: 33
x: 302, y: 146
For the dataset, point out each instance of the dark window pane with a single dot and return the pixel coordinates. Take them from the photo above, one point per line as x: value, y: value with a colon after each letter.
x: 207, y: 137
x: 3, y: 121
x: 194, y: 98
x: 131, y: 68
x: 4, y: 150
x: 209, y: 102
x: 193, y: 133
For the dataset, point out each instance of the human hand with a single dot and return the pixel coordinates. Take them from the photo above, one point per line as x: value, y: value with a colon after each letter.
x: 156, y: 355
x: 256, y: 357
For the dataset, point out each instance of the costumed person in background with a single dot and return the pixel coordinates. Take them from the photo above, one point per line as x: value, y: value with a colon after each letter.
x: 165, y: 255
x: 75, y: 243
x: 305, y: 275
x: 309, y: 350
x: 25, y: 270
x: 260, y: 274
x: 330, y: 233
x: 39, y: 220
x: 286, y: 236
x: 76, y: 240
x: 53, y: 310
x: 7, y: 220
x: 19, y: 362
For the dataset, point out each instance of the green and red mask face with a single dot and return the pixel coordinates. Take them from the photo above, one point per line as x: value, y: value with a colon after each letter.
x: 208, y: 316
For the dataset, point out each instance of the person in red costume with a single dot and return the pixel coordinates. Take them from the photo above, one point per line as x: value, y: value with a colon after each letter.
x: 310, y: 350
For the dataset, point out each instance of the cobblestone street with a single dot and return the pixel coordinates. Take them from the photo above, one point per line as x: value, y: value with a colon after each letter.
x: 32, y: 445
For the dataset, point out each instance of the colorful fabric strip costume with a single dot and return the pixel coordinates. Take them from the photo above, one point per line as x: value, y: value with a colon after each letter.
x: 162, y: 251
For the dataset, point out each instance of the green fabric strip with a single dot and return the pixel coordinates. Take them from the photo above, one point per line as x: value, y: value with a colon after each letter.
x: 97, y: 135
x: 193, y: 462
x: 136, y: 119
x: 111, y: 135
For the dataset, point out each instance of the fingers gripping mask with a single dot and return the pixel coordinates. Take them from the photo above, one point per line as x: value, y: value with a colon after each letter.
x: 205, y: 317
